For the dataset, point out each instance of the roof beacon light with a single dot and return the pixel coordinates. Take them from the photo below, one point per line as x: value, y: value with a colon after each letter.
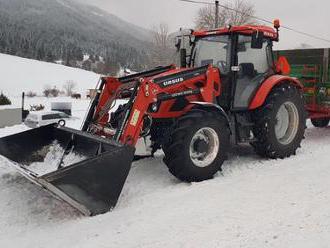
x: 276, y: 23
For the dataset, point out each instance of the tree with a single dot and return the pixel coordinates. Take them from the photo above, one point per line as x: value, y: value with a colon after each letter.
x: 4, y: 100
x: 87, y: 65
x: 47, y: 90
x: 162, y: 53
x: 69, y: 87
x: 243, y: 15
x: 54, y: 92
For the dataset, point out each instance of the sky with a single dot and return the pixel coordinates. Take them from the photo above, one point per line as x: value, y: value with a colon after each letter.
x: 304, y: 15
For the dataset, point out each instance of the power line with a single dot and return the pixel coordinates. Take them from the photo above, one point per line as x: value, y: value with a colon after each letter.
x: 306, y: 34
x: 191, y: 1
x: 257, y: 18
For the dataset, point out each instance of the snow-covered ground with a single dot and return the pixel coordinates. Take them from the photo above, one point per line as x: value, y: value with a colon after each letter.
x: 19, y: 74
x: 253, y: 203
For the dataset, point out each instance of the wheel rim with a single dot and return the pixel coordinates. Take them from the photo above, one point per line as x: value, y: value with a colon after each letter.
x: 204, y: 156
x: 287, y: 122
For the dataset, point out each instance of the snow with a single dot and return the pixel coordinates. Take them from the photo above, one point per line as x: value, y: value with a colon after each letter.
x: 19, y: 74
x: 3, y: 107
x: 52, y: 159
x: 253, y: 202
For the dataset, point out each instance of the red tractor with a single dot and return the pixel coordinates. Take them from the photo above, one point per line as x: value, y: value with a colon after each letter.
x: 228, y: 90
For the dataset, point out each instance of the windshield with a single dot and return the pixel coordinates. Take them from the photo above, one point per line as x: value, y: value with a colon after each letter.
x: 213, y: 50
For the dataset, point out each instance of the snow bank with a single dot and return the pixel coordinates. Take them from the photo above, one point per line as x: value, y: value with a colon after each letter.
x: 19, y: 74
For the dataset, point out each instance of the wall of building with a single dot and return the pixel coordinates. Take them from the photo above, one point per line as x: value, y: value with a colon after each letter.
x: 10, y: 117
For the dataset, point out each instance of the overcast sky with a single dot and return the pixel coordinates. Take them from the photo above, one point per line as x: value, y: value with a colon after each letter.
x: 309, y: 16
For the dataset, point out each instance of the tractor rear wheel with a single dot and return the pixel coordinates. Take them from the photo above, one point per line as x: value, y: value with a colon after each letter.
x: 198, y: 146
x: 324, y: 122
x: 280, y: 123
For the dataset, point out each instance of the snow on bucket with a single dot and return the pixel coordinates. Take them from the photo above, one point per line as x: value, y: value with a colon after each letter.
x: 86, y: 171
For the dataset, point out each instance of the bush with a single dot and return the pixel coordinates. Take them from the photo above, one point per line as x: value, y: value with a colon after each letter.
x: 54, y: 92
x: 51, y: 92
x: 4, y: 100
x: 31, y: 94
x: 46, y: 91
x: 76, y: 96
x: 37, y: 107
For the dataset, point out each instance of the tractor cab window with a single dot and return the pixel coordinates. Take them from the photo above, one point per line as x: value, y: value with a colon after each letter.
x: 254, y: 64
x: 213, y: 50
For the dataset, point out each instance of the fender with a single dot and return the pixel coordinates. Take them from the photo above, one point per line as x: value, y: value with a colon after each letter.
x: 217, y: 108
x: 268, y: 85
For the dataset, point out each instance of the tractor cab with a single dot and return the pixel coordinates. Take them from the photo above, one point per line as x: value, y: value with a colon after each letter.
x: 243, y: 56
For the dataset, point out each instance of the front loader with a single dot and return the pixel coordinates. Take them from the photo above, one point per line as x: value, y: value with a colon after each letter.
x: 227, y: 90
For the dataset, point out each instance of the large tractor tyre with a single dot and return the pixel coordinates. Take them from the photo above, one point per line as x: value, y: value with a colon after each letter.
x: 324, y: 122
x: 280, y: 123
x: 198, y: 146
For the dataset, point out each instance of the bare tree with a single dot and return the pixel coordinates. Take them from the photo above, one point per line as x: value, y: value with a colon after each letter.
x: 162, y: 51
x: 243, y: 15
x: 69, y: 87
x: 160, y: 35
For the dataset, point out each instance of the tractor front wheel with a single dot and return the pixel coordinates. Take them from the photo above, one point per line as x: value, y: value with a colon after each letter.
x: 280, y: 123
x: 198, y: 146
x: 323, y: 122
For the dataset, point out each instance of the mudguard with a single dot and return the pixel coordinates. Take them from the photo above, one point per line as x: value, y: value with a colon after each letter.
x: 268, y: 85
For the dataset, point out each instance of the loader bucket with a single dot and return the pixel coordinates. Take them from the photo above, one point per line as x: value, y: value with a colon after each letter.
x: 86, y: 171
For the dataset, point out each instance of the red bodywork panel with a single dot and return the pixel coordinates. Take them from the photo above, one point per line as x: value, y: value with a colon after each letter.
x: 267, y: 86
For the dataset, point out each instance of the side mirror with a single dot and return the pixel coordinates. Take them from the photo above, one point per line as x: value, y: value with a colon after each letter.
x: 183, y: 57
x: 257, y: 40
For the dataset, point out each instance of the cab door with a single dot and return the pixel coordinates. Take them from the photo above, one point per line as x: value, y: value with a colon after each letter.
x: 253, y: 66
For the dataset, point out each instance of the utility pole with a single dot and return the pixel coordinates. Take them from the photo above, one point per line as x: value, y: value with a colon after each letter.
x: 216, y: 22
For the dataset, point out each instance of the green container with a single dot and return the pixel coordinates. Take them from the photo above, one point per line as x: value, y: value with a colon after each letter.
x: 308, y: 65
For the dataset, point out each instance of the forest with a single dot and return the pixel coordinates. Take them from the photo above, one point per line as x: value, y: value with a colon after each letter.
x: 64, y: 31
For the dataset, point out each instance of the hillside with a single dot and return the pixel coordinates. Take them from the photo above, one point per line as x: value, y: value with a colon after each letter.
x: 19, y: 74
x: 65, y: 30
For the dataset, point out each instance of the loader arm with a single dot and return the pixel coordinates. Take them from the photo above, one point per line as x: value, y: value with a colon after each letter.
x: 194, y: 84
x: 151, y: 96
x: 109, y: 90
